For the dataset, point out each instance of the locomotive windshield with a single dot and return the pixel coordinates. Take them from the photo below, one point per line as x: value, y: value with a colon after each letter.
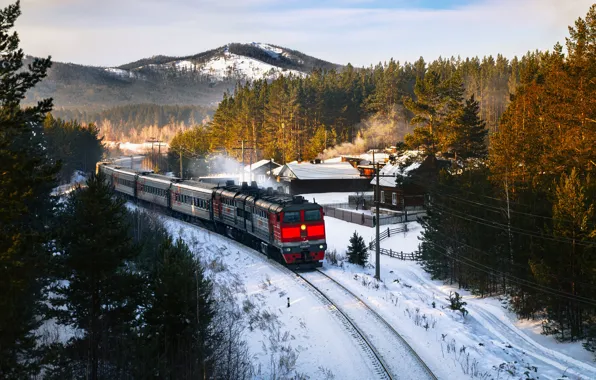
x: 312, y: 215
x: 292, y: 217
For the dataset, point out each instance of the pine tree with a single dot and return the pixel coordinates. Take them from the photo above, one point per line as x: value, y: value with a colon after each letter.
x: 26, y: 179
x: 357, y: 250
x: 470, y: 132
x: 177, y: 335
x: 98, y: 290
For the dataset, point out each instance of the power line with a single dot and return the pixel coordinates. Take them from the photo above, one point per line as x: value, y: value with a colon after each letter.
x: 512, y: 263
x: 514, y: 279
x: 508, y: 228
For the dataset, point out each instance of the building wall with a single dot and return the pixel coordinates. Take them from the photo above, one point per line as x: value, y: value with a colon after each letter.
x: 394, y: 198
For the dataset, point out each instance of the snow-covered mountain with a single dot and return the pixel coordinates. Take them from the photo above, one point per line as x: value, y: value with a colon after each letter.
x: 196, y: 79
x: 230, y: 62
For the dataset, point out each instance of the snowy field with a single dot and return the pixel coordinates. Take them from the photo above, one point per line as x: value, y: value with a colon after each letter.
x: 488, y: 343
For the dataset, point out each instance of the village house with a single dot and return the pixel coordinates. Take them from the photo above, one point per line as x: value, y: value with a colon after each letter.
x: 320, y: 177
x: 403, y: 184
x: 259, y: 171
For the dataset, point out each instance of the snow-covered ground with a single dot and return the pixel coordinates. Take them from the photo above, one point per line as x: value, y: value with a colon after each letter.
x: 489, y: 342
x: 306, y: 328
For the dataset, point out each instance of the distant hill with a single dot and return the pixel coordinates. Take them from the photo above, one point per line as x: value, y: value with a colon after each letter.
x: 200, y: 79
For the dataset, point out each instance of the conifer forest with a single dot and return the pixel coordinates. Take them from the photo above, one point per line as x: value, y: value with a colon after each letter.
x: 512, y: 215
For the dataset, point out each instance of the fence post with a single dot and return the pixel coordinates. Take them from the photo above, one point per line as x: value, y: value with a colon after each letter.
x: 388, y: 232
x: 406, y: 226
x: 390, y: 252
x: 402, y: 255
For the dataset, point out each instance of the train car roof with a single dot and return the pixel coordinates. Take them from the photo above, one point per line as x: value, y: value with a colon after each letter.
x: 124, y: 170
x: 157, y: 177
x: 190, y: 184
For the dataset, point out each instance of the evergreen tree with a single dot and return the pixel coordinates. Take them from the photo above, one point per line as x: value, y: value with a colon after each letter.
x: 357, y: 250
x: 25, y: 203
x: 98, y: 290
x: 176, y: 339
x: 470, y: 132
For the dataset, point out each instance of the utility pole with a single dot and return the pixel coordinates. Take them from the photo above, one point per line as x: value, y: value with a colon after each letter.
x: 377, y: 224
x: 181, y: 175
x: 377, y: 197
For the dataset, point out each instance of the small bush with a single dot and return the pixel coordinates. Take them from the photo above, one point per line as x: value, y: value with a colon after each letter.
x: 456, y: 303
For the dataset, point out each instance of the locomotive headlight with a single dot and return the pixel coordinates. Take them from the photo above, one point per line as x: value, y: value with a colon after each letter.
x: 303, y: 227
x: 321, y: 246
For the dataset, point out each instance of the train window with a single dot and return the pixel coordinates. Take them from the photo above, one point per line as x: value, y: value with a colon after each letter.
x: 239, y: 212
x: 246, y: 215
x: 312, y: 215
x: 292, y: 217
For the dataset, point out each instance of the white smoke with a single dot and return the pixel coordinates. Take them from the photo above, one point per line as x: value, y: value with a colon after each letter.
x: 377, y: 132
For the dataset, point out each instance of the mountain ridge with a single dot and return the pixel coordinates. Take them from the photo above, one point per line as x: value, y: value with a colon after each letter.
x: 198, y: 79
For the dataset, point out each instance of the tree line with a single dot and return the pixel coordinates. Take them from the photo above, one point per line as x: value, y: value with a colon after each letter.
x: 294, y: 118
x: 522, y: 222
x: 89, y: 289
x: 127, y: 122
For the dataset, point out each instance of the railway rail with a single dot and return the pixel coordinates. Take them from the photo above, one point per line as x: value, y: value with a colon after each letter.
x: 397, y: 358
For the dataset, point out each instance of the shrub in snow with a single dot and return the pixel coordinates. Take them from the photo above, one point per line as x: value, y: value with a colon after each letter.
x: 333, y: 257
x: 456, y: 303
x: 357, y: 251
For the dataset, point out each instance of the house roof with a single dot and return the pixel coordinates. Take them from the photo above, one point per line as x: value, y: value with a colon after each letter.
x: 259, y: 164
x: 394, y: 171
x: 306, y: 170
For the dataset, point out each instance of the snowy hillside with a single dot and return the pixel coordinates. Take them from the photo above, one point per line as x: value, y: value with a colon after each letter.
x: 230, y: 62
x: 199, y: 79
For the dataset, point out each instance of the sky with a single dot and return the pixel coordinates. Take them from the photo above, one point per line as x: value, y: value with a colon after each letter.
x: 362, y: 32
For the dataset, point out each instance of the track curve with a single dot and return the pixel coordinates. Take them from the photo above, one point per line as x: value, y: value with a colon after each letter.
x: 398, y: 357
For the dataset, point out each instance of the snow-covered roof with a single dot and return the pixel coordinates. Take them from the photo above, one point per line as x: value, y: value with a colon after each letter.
x: 394, y: 171
x: 306, y: 170
x: 259, y: 164
x: 277, y: 170
x: 401, y: 167
x: 379, y: 157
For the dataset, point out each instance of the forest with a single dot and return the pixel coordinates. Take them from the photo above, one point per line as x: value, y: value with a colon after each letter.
x: 135, y: 303
x: 297, y: 118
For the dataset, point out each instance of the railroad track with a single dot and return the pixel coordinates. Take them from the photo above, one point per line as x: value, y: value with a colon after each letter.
x: 368, y: 340
x: 395, y: 357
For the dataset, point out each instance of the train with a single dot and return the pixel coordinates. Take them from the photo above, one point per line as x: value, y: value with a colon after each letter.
x: 286, y: 228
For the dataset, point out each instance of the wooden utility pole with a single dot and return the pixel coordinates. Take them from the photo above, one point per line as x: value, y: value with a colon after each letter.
x: 377, y: 224
x: 181, y: 175
x: 377, y: 197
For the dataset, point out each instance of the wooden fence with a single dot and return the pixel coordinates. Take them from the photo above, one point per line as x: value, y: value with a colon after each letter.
x: 346, y: 212
x: 385, y: 234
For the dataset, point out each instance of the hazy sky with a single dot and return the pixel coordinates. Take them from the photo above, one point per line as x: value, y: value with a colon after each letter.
x: 363, y: 32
